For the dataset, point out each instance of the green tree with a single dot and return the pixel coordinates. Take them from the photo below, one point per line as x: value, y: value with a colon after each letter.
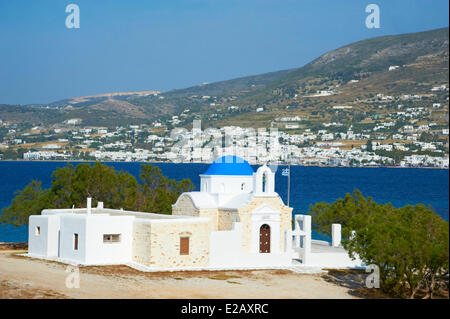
x: 116, y: 189
x: 72, y: 185
x: 157, y: 192
x: 410, y: 245
x: 341, y: 212
x: 31, y: 200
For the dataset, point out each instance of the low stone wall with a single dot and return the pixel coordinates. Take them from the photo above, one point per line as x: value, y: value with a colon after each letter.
x: 157, y: 243
x: 333, y: 260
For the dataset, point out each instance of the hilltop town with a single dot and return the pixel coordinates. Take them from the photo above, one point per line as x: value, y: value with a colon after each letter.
x: 404, y: 132
x: 377, y: 102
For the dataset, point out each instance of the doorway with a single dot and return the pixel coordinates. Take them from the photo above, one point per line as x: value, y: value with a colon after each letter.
x: 264, y: 239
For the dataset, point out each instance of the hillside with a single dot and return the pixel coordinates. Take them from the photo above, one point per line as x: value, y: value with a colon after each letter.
x: 350, y: 75
x: 422, y: 59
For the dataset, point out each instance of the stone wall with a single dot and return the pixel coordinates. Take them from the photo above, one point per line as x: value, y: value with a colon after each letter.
x: 213, y: 215
x: 165, y: 244
x: 185, y: 207
x: 141, y: 245
x: 226, y: 219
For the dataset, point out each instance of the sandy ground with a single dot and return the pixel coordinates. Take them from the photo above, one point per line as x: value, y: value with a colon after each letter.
x: 23, y: 277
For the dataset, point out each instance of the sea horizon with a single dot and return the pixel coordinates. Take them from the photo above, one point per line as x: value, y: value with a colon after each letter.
x: 207, y: 163
x: 309, y: 184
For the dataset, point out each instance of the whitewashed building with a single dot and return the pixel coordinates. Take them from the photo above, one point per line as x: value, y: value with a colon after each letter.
x: 236, y: 220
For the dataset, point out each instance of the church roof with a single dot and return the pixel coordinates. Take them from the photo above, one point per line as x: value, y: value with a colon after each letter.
x: 230, y: 165
x: 203, y: 200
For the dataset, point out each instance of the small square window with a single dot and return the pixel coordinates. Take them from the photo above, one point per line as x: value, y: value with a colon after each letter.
x: 112, y: 238
x: 38, y: 230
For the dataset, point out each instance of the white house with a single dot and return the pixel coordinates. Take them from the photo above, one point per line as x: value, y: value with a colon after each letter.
x: 393, y: 67
x: 236, y: 220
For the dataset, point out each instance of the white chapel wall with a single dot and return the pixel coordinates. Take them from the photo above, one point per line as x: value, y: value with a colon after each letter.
x: 43, y: 235
x: 70, y: 225
x: 226, y: 252
x: 100, y: 252
x: 226, y: 184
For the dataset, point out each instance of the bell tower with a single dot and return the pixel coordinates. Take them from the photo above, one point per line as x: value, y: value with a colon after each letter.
x: 264, y: 182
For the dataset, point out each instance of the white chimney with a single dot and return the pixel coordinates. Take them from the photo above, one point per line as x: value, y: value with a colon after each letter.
x: 100, y: 205
x: 89, y: 202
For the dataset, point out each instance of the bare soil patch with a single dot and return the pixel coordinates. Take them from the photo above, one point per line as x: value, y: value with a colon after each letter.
x: 23, y: 277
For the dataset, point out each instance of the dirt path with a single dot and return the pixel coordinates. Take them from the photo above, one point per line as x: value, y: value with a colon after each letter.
x: 22, y: 277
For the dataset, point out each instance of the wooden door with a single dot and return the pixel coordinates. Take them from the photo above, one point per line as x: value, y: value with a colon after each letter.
x: 264, y: 239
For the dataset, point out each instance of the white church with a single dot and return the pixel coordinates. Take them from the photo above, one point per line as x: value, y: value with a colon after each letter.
x: 235, y: 221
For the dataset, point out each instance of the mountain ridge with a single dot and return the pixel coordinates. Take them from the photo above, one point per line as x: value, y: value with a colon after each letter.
x: 289, y: 89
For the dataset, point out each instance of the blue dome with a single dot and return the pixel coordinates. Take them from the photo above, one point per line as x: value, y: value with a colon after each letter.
x: 229, y: 165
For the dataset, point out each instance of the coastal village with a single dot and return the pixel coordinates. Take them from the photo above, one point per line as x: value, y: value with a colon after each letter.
x: 82, y: 113
x: 406, y: 131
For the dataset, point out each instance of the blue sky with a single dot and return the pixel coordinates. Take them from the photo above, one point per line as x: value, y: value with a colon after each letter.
x: 162, y: 45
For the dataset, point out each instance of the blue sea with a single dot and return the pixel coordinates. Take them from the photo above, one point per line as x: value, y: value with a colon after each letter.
x: 309, y: 185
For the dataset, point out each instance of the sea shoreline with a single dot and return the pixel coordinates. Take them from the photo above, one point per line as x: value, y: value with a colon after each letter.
x: 280, y: 164
x: 309, y: 184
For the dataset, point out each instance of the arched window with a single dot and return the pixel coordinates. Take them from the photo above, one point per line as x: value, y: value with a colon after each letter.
x: 242, y: 186
x: 264, y: 183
